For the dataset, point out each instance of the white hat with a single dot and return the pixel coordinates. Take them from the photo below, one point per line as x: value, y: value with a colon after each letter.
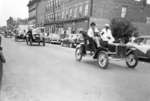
x: 107, y: 25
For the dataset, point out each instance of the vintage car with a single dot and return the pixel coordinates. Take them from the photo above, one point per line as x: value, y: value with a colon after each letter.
x: 105, y: 53
x: 37, y: 35
x: 72, y: 40
x: 20, y: 36
x: 55, y: 38
x: 142, y: 45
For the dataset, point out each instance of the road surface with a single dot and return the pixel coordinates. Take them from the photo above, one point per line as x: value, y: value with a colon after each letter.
x: 51, y: 73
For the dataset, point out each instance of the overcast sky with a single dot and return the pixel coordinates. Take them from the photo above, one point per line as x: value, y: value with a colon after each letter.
x: 14, y: 8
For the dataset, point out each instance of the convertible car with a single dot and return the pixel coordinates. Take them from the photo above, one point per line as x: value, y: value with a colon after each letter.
x: 142, y: 45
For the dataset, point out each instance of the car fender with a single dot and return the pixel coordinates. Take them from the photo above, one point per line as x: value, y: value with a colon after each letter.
x: 131, y: 50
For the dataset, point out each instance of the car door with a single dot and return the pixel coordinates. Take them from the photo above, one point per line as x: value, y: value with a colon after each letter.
x: 140, y: 47
x: 147, y: 44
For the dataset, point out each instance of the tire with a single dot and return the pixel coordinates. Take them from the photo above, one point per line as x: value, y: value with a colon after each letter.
x: 43, y: 43
x: 30, y: 42
x: 103, y: 60
x: 78, y: 54
x: 131, y: 58
x: 70, y: 45
x: 27, y: 41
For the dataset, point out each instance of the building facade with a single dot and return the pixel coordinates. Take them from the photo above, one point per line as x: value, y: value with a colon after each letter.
x: 137, y: 11
x: 32, y: 7
x: 59, y: 16
x: 41, y: 12
x: 67, y: 15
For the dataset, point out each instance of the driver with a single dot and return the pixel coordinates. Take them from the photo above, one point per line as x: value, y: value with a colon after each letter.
x: 91, y: 33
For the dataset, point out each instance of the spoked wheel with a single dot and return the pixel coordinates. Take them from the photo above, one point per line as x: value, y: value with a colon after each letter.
x: 78, y: 54
x: 30, y: 42
x: 43, y: 42
x: 103, y: 60
x: 27, y: 41
x: 131, y: 60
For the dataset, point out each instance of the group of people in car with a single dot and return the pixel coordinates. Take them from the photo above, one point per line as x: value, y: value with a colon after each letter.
x: 105, y: 35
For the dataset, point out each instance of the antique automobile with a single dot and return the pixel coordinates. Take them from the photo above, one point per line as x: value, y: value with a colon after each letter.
x: 104, y: 53
x: 72, y: 40
x: 20, y: 36
x: 37, y: 35
x: 142, y: 45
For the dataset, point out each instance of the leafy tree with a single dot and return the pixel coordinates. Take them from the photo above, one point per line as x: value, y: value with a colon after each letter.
x: 122, y: 29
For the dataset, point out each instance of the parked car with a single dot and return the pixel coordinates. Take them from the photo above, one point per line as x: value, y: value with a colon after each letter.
x: 37, y: 35
x: 72, y: 40
x: 55, y: 38
x: 142, y: 45
x: 20, y: 36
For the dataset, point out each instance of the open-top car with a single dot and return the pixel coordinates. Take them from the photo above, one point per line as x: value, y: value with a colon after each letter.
x: 37, y: 35
x: 105, y: 53
x: 142, y: 45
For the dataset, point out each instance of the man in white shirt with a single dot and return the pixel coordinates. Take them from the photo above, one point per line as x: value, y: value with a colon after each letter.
x: 106, y: 34
x: 91, y: 33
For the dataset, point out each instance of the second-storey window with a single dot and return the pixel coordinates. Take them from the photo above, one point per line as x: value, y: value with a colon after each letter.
x: 86, y: 12
x: 123, y: 12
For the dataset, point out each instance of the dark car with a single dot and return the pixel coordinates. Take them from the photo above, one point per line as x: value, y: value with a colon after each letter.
x: 36, y: 36
x: 20, y: 36
x: 142, y: 45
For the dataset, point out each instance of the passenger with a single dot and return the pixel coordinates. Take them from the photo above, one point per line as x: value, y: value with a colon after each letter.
x: 107, y: 38
x: 93, y: 30
x: 106, y: 34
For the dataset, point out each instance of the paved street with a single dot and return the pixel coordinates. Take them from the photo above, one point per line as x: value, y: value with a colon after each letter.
x: 51, y: 74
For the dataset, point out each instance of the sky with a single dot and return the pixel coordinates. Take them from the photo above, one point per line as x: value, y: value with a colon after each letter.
x: 13, y: 8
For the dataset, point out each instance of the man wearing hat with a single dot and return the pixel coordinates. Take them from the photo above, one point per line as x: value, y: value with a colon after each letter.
x: 92, y: 33
x: 106, y: 34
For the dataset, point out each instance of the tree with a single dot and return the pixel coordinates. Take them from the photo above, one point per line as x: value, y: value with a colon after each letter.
x: 122, y: 29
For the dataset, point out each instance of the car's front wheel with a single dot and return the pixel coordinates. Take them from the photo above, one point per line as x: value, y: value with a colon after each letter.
x: 131, y: 60
x: 103, y: 60
x: 78, y: 54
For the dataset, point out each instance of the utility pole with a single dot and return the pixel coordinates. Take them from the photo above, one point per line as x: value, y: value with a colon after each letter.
x: 54, y: 15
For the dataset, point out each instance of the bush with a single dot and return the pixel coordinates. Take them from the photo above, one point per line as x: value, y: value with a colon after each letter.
x: 122, y: 29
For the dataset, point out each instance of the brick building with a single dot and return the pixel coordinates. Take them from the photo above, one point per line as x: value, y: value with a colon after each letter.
x: 71, y: 15
x: 68, y: 15
x: 37, y: 12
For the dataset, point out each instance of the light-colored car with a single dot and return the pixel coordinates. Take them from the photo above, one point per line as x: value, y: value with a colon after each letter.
x: 55, y: 38
x: 142, y: 45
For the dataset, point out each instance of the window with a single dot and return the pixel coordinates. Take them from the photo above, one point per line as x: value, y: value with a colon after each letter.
x: 86, y: 10
x: 75, y: 12
x: 80, y: 10
x: 124, y: 12
x: 70, y: 13
x: 138, y: 0
x: 148, y: 1
x: 148, y: 20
